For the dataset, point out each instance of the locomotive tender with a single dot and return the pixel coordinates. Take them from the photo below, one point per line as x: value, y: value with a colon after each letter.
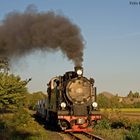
x: 71, y: 102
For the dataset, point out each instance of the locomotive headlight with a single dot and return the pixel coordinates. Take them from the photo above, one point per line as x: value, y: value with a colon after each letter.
x: 94, y: 104
x: 79, y: 72
x: 63, y: 104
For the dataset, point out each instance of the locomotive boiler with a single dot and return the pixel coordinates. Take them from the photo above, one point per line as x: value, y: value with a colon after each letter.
x: 71, y: 103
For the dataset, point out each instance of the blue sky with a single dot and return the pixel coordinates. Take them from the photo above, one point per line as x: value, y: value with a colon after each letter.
x: 111, y: 30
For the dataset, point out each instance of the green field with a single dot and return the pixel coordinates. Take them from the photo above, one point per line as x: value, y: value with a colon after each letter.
x: 121, y: 110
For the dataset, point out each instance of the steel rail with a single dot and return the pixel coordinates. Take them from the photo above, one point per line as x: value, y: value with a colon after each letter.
x: 92, y: 136
x: 74, y: 137
x: 88, y: 135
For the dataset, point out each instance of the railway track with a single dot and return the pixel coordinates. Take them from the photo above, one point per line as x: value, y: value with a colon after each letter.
x: 92, y: 136
x: 83, y: 136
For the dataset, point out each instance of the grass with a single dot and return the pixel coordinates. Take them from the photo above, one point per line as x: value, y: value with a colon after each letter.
x: 118, y: 134
x: 130, y: 110
x: 118, y: 128
x: 22, y: 126
x: 123, y: 113
x: 121, y: 109
x: 119, y: 124
x: 110, y: 134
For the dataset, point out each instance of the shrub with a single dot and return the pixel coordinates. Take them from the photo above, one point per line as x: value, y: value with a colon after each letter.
x: 2, y: 125
x: 117, y: 124
x: 133, y: 134
x: 103, y: 124
x: 21, y: 126
x: 21, y: 117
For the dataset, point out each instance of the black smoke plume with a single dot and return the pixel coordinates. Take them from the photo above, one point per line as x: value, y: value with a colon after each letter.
x: 23, y: 33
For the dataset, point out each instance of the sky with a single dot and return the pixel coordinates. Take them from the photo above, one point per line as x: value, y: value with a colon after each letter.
x: 111, y: 32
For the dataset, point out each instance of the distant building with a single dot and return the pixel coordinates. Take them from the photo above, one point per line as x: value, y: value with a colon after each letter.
x: 120, y: 99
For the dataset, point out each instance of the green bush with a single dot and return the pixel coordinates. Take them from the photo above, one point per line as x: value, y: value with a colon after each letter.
x: 120, y: 122
x: 117, y: 124
x: 2, y: 125
x: 21, y: 126
x: 103, y: 124
x: 12, y: 92
x: 22, y: 135
x: 134, y: 133
x: 20, y: 118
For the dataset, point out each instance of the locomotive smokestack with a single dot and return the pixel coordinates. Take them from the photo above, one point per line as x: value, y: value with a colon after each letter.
x: 79, y: 70
x: 23, y: 33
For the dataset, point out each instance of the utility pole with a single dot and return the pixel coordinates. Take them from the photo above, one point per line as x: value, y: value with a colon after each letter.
x: 4, y: 65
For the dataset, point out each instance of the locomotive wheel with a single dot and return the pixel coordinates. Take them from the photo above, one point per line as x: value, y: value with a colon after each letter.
x: 64, y: 124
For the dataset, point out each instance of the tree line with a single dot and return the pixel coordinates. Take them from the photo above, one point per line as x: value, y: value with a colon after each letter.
x: 132, y: 100
x: 132, y: 94
x: 14, y: 94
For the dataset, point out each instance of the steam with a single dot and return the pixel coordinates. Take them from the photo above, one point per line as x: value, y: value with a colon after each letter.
x: 24, y: 33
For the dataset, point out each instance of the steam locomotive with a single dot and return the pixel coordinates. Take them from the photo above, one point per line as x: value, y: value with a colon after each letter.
x: 71, y: 102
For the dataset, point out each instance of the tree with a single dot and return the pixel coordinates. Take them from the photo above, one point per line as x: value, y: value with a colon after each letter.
x: 32, y: 99
x: 114, y: 102
x: 136, y: 104
x: 130, y: 94
x: 136, y: 95
x: 133, y: 95
x: 103, y: 101
x: 12, y: 91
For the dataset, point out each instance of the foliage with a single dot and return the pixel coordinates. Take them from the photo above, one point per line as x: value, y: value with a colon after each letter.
x: 133, y: 95
x: 131, y: 101
x: 12, y: 91
x: 103, y: 101
x: 103, y: 124
x: 134, y: 133
x: 120, y: 122
x: 21, y: 126
x: 136, y: 104
x: 112, y: 102
x: 20, y: 118
x: 110, y: 134
x: 31, y: 99
x: 127, y: 129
